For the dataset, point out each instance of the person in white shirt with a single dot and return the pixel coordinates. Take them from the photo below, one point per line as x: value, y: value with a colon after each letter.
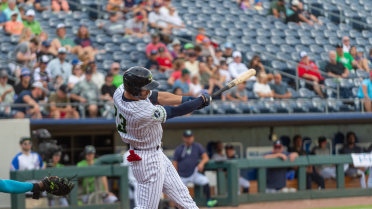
x: 40, y: 73
x: 59, y: 66
x: 26, y: 160
x: 174, y: 19
x: 195, y: 86
x: 192, y: 64
x: 236, y: 68
x: 224, y: 72
x: 97, y: 77
x: 261, y: 88
x: 157, y: 20
x: 76, y: 77
x: 346, y: 44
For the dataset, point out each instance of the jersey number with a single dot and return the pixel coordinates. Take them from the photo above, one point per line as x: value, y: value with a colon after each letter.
x: 123, y: 123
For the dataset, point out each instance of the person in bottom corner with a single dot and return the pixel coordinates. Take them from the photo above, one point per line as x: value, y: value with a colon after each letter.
x: 231, y: 154
x: 186, y: 161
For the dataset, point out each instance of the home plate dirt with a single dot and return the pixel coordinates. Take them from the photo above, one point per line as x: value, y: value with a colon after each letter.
x: 307, y: 204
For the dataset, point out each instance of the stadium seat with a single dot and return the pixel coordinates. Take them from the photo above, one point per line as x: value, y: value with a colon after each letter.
x: 306, y: 93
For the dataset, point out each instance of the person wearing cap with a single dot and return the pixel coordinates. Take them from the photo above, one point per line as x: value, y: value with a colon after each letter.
x: 236, y: 68
x: 115, y: 70
x: 164, y: 61
x: 40, y: 73
x: 31, y: 98
x: 176, y: 48
x: 24, y: 84
x: 136, y: 26
x: 309, y: 70
x: 277, y: 177
x: 152, y: 62
x: 189, y: 160
x: 358, y: 57
x: 192, y: 63
x: 58, y: 5
x: 59, y: 104
x: 183, y: 82
x: 31, y: 23
x: 334, y: 68
x: 158, y: 20
x: 365, y: 93
x: 87, y: 92
x: 277, y: 9
x: 227, y: 52
x: 62, y: 41
x: 6, y: 92
x: 77, y: 74
x: 12, y: 7
x: 155, y: 44
x: 115, y: 25
x: 44, y: 51
x: 26, y: 159
x: 89, y: 183
x: 59, y: 66
x: 13, y: 26
x: 346, y: 59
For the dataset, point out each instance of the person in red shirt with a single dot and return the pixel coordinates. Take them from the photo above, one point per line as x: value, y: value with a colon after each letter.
x: 155, y: 45
x: 179, y: 65
x: 164, y: 61
x: 307, y: 69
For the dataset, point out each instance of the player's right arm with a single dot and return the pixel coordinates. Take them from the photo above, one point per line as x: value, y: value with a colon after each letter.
x: 166, y: 98
x: 10, y: 186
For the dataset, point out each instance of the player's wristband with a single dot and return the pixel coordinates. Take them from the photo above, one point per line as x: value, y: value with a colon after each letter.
x: 187, y: 98
x: 154, y: 97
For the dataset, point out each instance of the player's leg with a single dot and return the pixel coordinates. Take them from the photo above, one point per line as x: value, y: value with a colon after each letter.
x: 202, y: 180
x: 176, y: 189
x: 244, y: 183
x: 149, y: 173
x: 10, y: 186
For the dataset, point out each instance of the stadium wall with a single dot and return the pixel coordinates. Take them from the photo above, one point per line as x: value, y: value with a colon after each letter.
x: 10, y: 133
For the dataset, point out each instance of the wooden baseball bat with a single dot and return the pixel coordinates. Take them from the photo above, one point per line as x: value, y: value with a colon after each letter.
x: 243, y: 77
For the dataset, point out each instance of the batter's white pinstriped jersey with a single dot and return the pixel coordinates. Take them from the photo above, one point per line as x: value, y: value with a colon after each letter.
x: 138, y: 122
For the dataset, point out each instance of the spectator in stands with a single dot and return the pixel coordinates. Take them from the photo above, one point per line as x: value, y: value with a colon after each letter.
x: 44, y: 51
x: 60, y: 106
x: 219, y: 155
x: 25, y: 36
x: 358, y: 57
x: 13, y: 26
x: 59, y: 66
x: 155, y: 44
x: 58, y: 5
x: 207, y: 48
x: 176, y: 49
x: 107, y: 89
x: 115, y: 25
x: 195, y: 86
x: 164, y: 61
x: 31, y: 23
x: 89, y: 183
x: 26, y: 159
x: 3, y: 5
x: 228, y: 52
x: 334, y: 68
x: 238, y: 93
x: 84, y: 44
x: 115, y: 70
x: 189, y: 160
x: 179, y: 65
x: 3, y: 19
x: 173, y: 19
x: 258, y: 66
x: 177, y: 91
x: 346, y: 59
x: 62, y: 41
x: 307, y: 69
x: 87, y: 92
x: 31, y: 98
x: 210, y: 63
x: 97, y: 77
x: 77, y: 74
x: 277, y: 177
x: 201, y: 35
x: 205, y: 74
x: 325, y: 171
x: 245, y: 4
x: 214, y: 84
x: 183, y: 82
x: 24, y: 84
x: 236, y: 67
x: 189, y: 48
x: 136, y: 26
x: 6, y: 92
x: 152, y: 62
x: 157, y: 20
x: 115, y: 6
x: 365, y: 93
x: 39, y: 7
x: 306, y: 14
x: 346, y: 44
x: 199, y: 56
x: 277, y: 9
x: 370, y: 56
x: 218, y: 57
x: 12, y: 7
x: 224, y: 71
x: 293, y: 14
x: 192, y: 64
x: 40, y: 73
x: 280, y: 89
x: 261, y: 88
x: 25, y: 56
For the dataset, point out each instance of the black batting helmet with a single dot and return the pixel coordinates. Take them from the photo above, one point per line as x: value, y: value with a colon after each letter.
x: 137, y: 79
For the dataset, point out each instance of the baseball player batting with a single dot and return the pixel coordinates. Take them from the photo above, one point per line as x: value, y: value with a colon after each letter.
x: 139, y: 112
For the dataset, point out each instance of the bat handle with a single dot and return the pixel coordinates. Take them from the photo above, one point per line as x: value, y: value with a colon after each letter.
x: 220, y: 91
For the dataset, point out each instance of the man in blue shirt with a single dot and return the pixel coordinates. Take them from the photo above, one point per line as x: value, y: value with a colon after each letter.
x: 277, y: 177
x: 183, y: 82
x: 3, y: 18
x: 365, y: 92
x: 186, y: 161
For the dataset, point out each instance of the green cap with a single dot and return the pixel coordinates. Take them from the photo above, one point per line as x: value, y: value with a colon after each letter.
x: 188, y: 46
x: 185, y: 71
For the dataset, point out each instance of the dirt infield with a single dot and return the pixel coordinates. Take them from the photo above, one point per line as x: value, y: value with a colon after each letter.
x: 307, y: 204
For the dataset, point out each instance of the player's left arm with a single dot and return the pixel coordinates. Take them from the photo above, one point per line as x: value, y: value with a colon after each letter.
x: 15, y: 187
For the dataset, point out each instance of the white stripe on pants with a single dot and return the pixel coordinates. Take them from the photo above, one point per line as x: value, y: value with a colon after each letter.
x: 156, y: 174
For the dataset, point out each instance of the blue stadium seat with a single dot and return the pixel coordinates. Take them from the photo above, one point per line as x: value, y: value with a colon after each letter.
x: 277, y: 40
x: 362, y: 74
x: 306, y: 93
x: 292, y: 40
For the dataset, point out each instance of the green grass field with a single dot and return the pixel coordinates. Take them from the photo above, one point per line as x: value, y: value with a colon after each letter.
x: 351, y: 207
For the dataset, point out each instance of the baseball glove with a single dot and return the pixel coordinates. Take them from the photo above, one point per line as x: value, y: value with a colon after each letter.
x: 53, y: 185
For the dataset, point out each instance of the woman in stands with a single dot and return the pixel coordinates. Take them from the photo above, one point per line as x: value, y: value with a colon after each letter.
x: 358, y: 57
x: 26, y: 35
x: 84, y: 44
x: 258, y: 66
